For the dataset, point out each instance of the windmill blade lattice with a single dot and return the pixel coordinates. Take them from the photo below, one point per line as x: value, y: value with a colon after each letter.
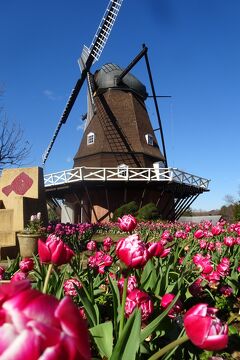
x: 88, y: 57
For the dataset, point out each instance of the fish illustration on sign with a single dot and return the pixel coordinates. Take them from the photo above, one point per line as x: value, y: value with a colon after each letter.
x: 20, y: 185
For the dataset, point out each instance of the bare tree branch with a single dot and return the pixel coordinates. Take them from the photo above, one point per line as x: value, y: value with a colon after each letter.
x: 14, y: 149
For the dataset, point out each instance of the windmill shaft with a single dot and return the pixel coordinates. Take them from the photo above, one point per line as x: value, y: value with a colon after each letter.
x: 156, y: 106
x: 132, y: 64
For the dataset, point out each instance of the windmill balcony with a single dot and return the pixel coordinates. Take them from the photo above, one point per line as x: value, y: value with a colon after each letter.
x: 87, y: 174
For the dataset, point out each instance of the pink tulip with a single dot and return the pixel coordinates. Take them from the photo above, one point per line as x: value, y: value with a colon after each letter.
x: 213, y: 279
x: 26, y: 265
x: 203, y: 263
x: 180, y: 234
x: 223, y: 268
x: 177, y: 307
x: 237, y: 240
x: 107, y: 243
x: 165, y: 252
x: 155, y: 248
x: 91, y: 245
x: 70, y: 285
x: 18, y: 276
x: 166, y: 235
x: 229, y: 241
x: 199, y: 234
x: 132, y: 251
x: 127, y: 223
x: 100, y: 261
x: 202, y: 244
x: 54, y: 251
x: 37, y: 326
x: 2, y: 272
x: 140, y: 299
x: 211, y: 246
x: 204, y: 329
x: 208, y: 234
x: 132, y: 284
x: 197, y: 287
x: 216, y: 230
x: 218, y: 246
x: 226, y: 290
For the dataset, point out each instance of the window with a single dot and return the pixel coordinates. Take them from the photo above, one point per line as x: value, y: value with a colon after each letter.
x: 90, y: 138
x: 149, y: 139
x: 123, y: 170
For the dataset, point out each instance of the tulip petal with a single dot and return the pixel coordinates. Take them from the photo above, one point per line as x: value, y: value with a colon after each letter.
x: 44, y: 252
x: 73, y: 325
x: 126, y: 256
x: 216, y: 342
x: 197, y: 328
x: 42, y: 309
x: 7, y: 336
x: 54, y: 353
x: 25, y: 347
x: 11, y: 289
x: 58, y: 255
x: 50, y: 335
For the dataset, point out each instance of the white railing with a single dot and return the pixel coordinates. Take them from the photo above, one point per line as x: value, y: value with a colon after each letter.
x: 124, y: 174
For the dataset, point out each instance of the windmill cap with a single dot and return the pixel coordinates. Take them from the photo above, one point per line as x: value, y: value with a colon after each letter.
x: 108, y: 76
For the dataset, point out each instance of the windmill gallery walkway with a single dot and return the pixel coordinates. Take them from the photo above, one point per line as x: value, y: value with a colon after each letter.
x: 185, y: 186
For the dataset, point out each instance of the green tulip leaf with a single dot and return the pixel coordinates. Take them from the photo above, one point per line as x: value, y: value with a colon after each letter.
x: 127, y: 345
x: 152, y: 326
x: 103, y: 337
x: 91, y: 309
x: 116, y: 302
x: 148, y: 272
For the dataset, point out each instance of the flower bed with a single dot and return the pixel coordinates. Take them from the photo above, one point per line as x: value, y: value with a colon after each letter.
x: 162, y: 290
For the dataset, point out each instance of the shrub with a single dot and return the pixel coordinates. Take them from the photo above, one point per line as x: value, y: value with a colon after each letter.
x: 129, y: 208
x: 148, y: 212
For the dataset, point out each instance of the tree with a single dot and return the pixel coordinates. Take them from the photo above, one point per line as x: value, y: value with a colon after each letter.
x: 236, y: 212
x: 14, y: 149
x: 231, y: 212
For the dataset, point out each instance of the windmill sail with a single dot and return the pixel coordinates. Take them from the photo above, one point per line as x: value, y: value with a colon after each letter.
x: 88, y: 57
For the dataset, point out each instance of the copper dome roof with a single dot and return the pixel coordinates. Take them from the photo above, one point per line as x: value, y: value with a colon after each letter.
x: 107, y: 76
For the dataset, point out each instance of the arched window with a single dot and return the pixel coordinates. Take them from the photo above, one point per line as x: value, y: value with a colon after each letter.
x: 149, y: 139
x: 90, y: 138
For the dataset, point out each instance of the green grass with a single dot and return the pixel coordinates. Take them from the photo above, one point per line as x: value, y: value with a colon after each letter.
x: 101, y: 237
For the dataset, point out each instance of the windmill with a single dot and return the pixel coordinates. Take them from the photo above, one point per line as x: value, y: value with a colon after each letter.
x: 119, y: 159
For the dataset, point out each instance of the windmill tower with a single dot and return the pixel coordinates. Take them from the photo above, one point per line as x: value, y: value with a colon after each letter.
x: 119, y: 131
x: 119, y: 159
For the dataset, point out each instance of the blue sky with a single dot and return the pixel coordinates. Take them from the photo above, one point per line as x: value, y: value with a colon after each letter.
x: 194, y: 54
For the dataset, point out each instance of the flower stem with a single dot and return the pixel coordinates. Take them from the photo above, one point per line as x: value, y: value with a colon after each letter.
x: 46, y: 281
x: 124, y: 295
x: 169, y: 347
